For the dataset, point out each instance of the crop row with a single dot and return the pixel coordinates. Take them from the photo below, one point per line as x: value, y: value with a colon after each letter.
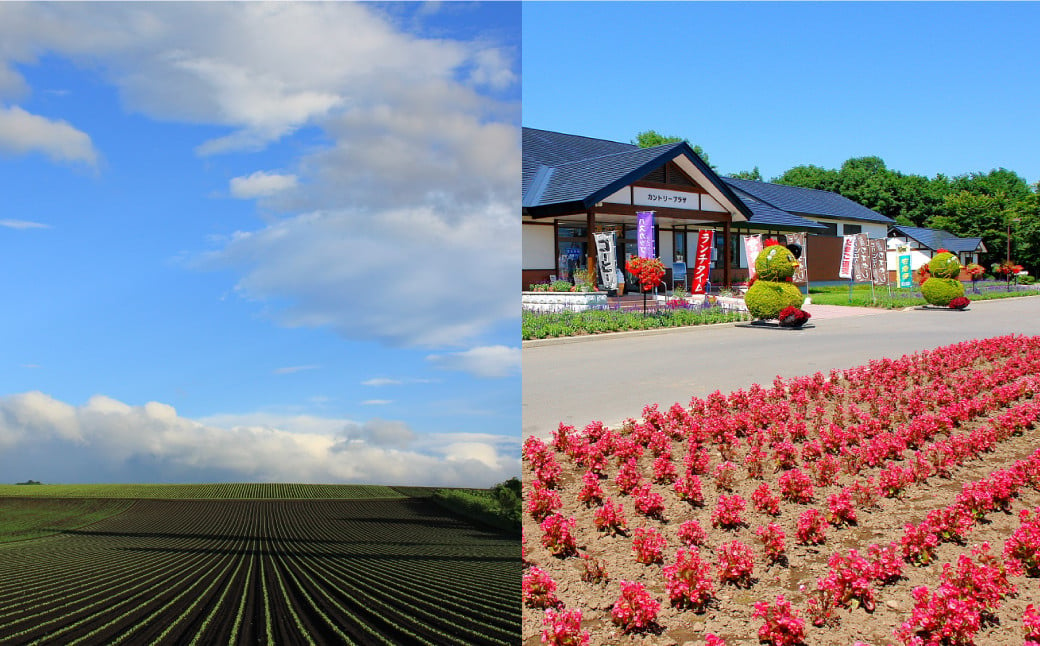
x: 354, y: 572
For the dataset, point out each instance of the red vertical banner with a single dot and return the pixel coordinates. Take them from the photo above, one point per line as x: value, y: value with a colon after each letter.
x: 702, y: 262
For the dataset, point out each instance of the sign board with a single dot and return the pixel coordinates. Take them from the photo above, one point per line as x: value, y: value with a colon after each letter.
x: 879, y: 261
x: 662, y: 197
x: 801, y: 275
x: 606, y: 259
x: 906, y: 275
x: 848, y: 254
x: 862, y: 261
x: 702, y: 263
x: 645, y: 234
x: 752, y: 247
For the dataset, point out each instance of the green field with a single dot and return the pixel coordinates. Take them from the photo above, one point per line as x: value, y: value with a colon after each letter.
x: 25, y: 518
x: 219, y: 491
x: 862, y: 296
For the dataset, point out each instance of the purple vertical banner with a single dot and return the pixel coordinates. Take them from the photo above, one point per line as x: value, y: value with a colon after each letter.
x: 645, y: 233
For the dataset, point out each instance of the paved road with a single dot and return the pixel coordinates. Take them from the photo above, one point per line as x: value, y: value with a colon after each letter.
x: 611, y: 378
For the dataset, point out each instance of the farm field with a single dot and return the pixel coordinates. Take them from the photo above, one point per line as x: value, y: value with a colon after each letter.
x: 269, y: 571
x: 885, y: 504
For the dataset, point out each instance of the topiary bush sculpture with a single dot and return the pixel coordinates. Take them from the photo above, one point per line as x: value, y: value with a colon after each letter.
x: 773, y: 290
x: 942, y: 285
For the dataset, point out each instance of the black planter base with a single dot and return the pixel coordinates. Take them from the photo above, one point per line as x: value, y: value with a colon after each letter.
x: 774, y: 325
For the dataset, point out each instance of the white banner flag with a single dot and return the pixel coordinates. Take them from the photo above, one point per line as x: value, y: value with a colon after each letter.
x: 752, y: 247
x: 848, y: 255
x: 606, y: 259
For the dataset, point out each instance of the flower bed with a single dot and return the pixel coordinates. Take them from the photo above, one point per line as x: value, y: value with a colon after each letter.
x: 908, y: 492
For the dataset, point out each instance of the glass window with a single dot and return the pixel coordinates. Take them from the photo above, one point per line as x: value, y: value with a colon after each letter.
x: 680, y: 245
x: 851, y: 229
x: 831, y: 230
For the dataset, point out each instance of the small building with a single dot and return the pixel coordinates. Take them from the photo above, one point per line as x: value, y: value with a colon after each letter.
x: 922, y: 245
x: 575, y: 186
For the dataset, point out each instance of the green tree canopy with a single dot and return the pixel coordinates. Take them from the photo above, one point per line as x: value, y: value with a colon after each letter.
x: 753, y: 174
x: 651, y: 138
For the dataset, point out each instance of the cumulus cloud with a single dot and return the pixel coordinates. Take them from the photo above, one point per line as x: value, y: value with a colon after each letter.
x: 261, y: 184
x: 22, y: 132
x: 399, y: 223
x: 107, y: 436
x: 483, y: 361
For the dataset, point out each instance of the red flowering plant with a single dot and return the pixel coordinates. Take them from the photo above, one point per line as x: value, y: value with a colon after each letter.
x: 648, y: 271
x: 563, y: 628
x: 558, y: 535
x: 792, y: 316
x: 689, y: 580
x: 648, y: 544
x: 1031, y: 621
x: 635, y: 609
x: 783, y: 626
x: 959, y: 303
x: 736, y: 564
x: 539, y: 590
x: 593, y: 570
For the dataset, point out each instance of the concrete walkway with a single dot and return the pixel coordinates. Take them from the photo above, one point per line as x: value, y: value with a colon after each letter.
x: 611, y: 377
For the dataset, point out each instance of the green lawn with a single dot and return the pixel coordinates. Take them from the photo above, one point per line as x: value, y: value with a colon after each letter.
x: 896, y: 299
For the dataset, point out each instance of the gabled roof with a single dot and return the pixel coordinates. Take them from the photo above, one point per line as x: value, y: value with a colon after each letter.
x: 569, y: 171
x: 807, y: 201
x: 935, y: 239
x: 765, y: 215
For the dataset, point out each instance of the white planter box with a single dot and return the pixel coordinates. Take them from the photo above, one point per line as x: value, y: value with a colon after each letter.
x: 563, y: 301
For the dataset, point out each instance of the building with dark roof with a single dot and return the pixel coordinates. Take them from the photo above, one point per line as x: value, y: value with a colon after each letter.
x: 923, y: 244
x: 574, y: 186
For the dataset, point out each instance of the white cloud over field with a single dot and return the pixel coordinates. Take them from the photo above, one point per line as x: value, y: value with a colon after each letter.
x: 106, y: 436
x: 400, y: 225
x: 22, y: 132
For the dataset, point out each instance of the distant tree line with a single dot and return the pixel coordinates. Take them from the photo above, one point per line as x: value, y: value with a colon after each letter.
x: 980, y: 205
x: 498, y: 506
x: 973, y: 205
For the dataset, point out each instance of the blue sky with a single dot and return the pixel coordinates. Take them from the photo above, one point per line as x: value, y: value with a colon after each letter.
x: 929, y: 87
x: 254, y: 241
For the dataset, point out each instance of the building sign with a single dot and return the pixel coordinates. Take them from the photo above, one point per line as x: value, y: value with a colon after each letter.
x: 879, y: 261
x: 801, y: 275
x: 862, y: 258
x: 662, y: 197
x: 645, y: 234
x: 705, y: 243
x: 752, y: 247
x: 848, y: 253
x: 906, y: 275
x: 606, y: 258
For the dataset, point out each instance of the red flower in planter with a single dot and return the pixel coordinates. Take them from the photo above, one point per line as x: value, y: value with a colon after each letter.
x: 792, y: 316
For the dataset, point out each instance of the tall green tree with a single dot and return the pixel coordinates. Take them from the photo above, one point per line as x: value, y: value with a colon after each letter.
x: 651, y: 138
x: 753, y: 174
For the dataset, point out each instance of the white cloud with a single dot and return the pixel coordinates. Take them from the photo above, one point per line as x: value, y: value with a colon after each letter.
x: 401, y: 224
x: 261, y: 184
x: 377, y: 402
x: 105, y: 436
x: 391, y: 381
x: 483, y: 361
x: 288, y: 370
x: 22, y: 132
x: 23, y: 224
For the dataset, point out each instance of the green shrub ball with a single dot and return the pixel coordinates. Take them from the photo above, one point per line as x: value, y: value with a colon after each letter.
x: 775, y: 263
x: 766, y: 299
x: 940, y: 291
x: 944, y: 265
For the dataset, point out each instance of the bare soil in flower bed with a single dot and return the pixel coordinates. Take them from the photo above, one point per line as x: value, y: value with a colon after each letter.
x: 938, y: 387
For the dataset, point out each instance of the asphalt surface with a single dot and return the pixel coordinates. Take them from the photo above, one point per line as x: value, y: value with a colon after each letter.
x: 611, y: 377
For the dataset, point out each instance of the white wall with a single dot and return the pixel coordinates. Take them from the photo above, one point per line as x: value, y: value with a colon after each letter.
x: 538, y: 252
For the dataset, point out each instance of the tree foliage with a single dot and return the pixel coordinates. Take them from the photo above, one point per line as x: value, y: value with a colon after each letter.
x: 970, y: 205
x: 651, y: 138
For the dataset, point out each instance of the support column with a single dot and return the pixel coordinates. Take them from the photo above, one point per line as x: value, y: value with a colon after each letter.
x: 590, y: 224
x: 726, y: 255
